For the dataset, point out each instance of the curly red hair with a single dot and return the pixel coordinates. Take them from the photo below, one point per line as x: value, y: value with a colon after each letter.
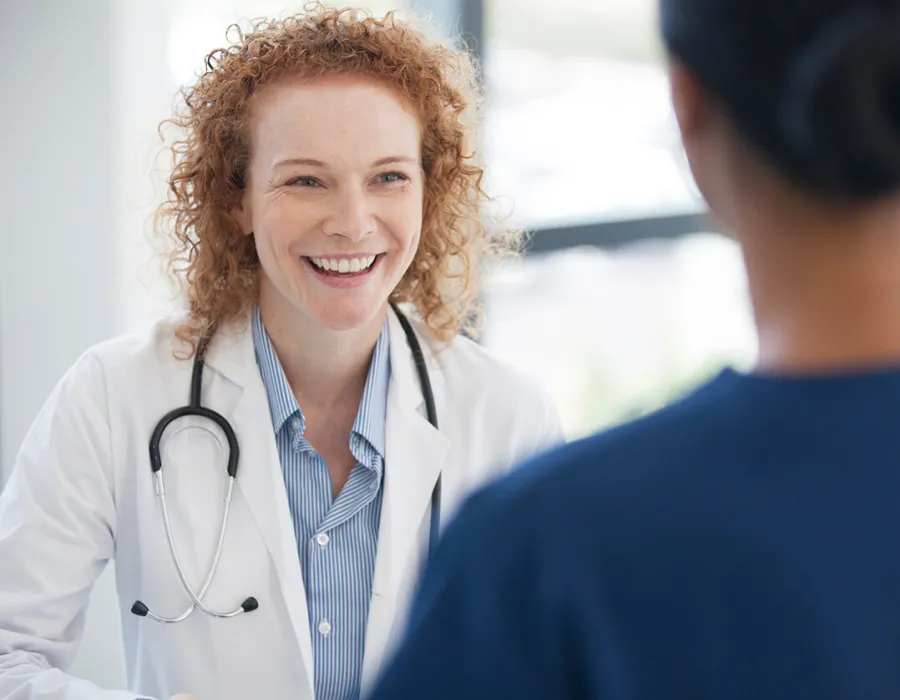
x: 219, y: 264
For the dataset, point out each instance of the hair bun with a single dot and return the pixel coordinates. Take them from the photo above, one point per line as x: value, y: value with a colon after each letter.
x: 840, y: 112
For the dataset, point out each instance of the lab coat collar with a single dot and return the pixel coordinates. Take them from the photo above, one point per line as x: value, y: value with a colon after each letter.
x: 231, y: 353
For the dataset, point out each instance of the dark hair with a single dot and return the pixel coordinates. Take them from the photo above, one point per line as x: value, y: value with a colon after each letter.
x: 813, y: 84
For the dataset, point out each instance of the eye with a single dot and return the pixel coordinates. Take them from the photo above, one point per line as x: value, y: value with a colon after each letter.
x: 391, y: 178
x: 304, y: 182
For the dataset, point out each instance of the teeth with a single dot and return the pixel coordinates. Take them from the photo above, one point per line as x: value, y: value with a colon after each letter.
x: 344, y: 265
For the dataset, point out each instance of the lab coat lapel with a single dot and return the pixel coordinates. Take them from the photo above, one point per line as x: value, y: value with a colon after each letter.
x: 260, y: 481
x: 415, y: 456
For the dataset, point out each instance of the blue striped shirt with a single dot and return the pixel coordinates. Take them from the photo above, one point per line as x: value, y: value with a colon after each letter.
x: 336, y: 538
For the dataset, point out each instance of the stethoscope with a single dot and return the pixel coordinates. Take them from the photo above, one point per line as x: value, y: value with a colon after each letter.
x: 196, y: 409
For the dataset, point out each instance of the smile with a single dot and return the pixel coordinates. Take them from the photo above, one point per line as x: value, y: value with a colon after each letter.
x: 344, y: 266
x: 344, y: 273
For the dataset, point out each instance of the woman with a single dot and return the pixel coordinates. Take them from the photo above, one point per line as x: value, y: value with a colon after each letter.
x: 325, y: 175
x: 742, y: 543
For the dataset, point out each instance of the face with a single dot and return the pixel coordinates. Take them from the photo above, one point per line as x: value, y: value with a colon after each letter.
x: 334, y: 196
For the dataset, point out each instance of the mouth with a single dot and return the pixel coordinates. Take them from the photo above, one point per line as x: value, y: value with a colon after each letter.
x: 344, y: 267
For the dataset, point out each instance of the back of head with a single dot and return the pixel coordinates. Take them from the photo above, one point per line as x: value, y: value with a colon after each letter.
x: 813, y: 84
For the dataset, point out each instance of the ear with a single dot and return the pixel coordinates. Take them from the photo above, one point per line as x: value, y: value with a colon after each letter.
x: 689, y: 100
x: 241, y: 213
x: 706, y: 137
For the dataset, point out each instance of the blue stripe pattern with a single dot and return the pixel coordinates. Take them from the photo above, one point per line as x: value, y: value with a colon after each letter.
x: 336, y: 538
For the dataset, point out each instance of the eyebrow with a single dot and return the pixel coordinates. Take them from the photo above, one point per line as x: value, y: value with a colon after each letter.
x: 395, y: 159
x: 320, y: 164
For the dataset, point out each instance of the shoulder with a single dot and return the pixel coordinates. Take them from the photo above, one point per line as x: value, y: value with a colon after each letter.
x: 121, y: 366
x: 657, y: 468
x: 156, y: 342
x: 128, y: 359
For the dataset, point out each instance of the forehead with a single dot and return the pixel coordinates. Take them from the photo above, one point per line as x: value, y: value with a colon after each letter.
x: 333, y: 119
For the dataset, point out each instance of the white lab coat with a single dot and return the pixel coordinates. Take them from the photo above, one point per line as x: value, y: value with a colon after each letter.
x: 82, y: 493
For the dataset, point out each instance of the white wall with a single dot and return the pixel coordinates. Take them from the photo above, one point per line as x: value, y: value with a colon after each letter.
x: 82, y: 85
x: 56, y: 190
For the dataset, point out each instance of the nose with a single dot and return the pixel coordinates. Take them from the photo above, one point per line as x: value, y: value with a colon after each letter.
x: 351, y: 216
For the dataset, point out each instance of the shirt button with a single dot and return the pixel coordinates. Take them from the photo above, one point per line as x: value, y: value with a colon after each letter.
x: 296, y: 424
x: 322, y: 539
x: 324, y: 628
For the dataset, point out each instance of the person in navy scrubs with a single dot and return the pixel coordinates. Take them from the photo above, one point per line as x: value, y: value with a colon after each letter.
x: 743, y: 542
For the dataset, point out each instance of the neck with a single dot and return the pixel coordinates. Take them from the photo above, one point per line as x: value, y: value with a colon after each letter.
x: 325, y: 368
x: 826, y: 290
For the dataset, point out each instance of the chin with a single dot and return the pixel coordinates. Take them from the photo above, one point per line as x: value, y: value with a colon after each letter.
x: 346, y: 315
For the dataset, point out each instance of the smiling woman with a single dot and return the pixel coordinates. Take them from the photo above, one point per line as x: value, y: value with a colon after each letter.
x: 325, y: 188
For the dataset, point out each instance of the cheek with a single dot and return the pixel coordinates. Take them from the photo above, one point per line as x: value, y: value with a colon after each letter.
x: 414, y: 213
x: 714, y: 179
x: 403, y: 220
x: 280, y: 221
x: 412, y: 237
x: 704, y: 168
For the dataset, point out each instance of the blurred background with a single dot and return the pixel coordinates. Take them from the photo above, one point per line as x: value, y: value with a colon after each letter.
x: 624, y: 301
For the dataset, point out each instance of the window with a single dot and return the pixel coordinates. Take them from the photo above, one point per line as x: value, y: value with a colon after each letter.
x: 614, y: 333
x: 579, y: 125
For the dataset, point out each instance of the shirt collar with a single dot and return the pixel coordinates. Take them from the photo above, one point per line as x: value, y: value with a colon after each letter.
x: 371, y: 418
